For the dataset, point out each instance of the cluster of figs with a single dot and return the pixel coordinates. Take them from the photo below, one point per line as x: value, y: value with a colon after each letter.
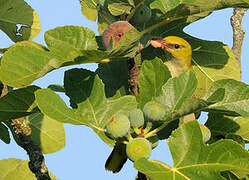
x: 132, y: 129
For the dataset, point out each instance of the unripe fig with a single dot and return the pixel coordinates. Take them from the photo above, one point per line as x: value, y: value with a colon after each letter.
x: 154, y: 111
x: 118, y: 126
x: 138, y: 148
x: 206, y: 134
x: 136, y: 118
x: 142, y: 14
x: 114, y: 32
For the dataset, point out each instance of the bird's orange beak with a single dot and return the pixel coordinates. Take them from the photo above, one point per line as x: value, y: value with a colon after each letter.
x: 159, y: 44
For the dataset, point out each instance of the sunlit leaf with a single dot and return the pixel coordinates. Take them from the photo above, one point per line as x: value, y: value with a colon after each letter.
x: 195, y: 160
x: 48, y: 133
x: 17, y: 169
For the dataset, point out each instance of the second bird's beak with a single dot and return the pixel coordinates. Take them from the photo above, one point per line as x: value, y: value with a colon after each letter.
x: 158, y: 44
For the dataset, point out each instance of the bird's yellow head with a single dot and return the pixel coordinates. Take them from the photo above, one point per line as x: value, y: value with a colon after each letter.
x: 179, y: 48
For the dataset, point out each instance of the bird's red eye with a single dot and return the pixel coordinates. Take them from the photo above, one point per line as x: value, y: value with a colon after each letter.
x: 177, y: 46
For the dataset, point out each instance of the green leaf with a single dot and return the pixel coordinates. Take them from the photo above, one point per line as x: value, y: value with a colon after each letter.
x: 67, y: 46
x: 17, y: 103
x: 48, y: 133
x: 98, y: 110
x: 95, y: 111
x: 54, y: 107
x: 119, y: 7
x: 18, y: 20
x: 193, y: 159
x: 67, y: 42
x: 212, y: 61
x: 177, y: 90
x: 152, y: 76
x: 236, y: 98
x: 223, y: 126
x: 115, y: 77
x: 78, y: 85
x: 4, y: 133
x: 105, y: 18
x: 191, y: 7
x: 17, y: 169
x: 17, y: 65
x: 88, y: 9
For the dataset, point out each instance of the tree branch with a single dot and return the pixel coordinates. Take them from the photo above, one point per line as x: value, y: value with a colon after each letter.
x: 238, y: 32
x: 37, y: 162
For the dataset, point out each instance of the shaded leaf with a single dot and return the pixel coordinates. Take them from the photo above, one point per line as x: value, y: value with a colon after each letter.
x: 4, y: 133
x: 193, y: 159
x: 48, y: 133
x: 17, y: 103
x: 17, y: 169
x: 57, y: 88
x: 115, y: 77
x: 18, y: 20
x: 78, y: 85
x: 221, y: 125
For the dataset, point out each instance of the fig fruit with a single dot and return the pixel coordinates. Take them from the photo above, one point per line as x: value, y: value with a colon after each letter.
x: 138, y: 148
x: 136, y: 118
x: 114, y: 32
x: 118, y: 126
x: 142, y: 14
x: 154, y: 111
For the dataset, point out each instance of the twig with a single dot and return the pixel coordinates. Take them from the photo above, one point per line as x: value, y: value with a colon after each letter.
x: 133, y: 74
x: 37, y: 162
x: 238, y: 32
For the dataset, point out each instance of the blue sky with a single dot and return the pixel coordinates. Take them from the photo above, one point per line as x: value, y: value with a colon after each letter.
x: 85, y: 154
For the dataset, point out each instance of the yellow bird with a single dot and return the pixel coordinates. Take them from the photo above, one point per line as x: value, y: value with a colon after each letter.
x: 180, y: 51
x: 180, y: 60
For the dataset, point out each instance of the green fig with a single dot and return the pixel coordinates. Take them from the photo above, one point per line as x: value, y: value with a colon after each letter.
x: 118, y: 126
x: 142, y: 14
x: 138, y: 148
x: 136, y: 118
x: 154, y: 111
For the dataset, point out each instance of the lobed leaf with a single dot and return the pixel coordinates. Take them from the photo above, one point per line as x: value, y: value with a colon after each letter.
x: 177, y: 90
x: 193, y: 159
x: 94, y: 110
x: 236, y: 97
x: 152, y: 76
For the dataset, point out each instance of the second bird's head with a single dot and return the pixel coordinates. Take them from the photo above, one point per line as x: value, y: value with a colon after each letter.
x: 179, y: 48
